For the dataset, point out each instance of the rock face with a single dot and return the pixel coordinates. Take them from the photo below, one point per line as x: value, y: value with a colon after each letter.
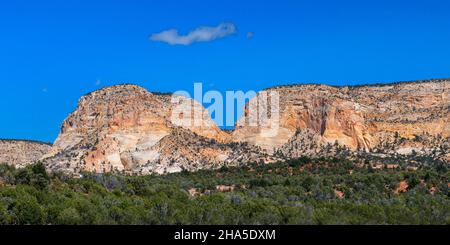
x: 21, y: 152
x: 393, y: 118
x: 125, y: 128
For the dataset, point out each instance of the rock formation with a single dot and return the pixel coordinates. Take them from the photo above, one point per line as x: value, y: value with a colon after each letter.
x: 125, y: 128
x: 22, y: 152
x: 396, y: 118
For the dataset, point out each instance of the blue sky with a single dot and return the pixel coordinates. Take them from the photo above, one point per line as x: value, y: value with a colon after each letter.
x: 52, y: 52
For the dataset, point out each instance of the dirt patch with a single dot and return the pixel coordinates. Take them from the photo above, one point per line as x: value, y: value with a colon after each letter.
x: 225, y: 188
x: 402, y: 187
x: 339, y: 194
x: 433, y: 190
x: 194, y: 192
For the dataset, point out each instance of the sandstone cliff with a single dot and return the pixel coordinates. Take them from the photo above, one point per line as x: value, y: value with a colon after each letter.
x: 125, y: 128
x: 401, y: 118
x: 22, y: 152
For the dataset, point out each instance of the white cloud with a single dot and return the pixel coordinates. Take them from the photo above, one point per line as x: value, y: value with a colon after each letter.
x: 200, y: 34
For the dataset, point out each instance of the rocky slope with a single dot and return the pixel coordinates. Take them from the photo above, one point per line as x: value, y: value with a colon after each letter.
x: 21, y: 152
x: 125, y: 128
x: 402, y: 118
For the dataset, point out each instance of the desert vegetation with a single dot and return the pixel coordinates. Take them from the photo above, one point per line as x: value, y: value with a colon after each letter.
x: 299, y: 191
